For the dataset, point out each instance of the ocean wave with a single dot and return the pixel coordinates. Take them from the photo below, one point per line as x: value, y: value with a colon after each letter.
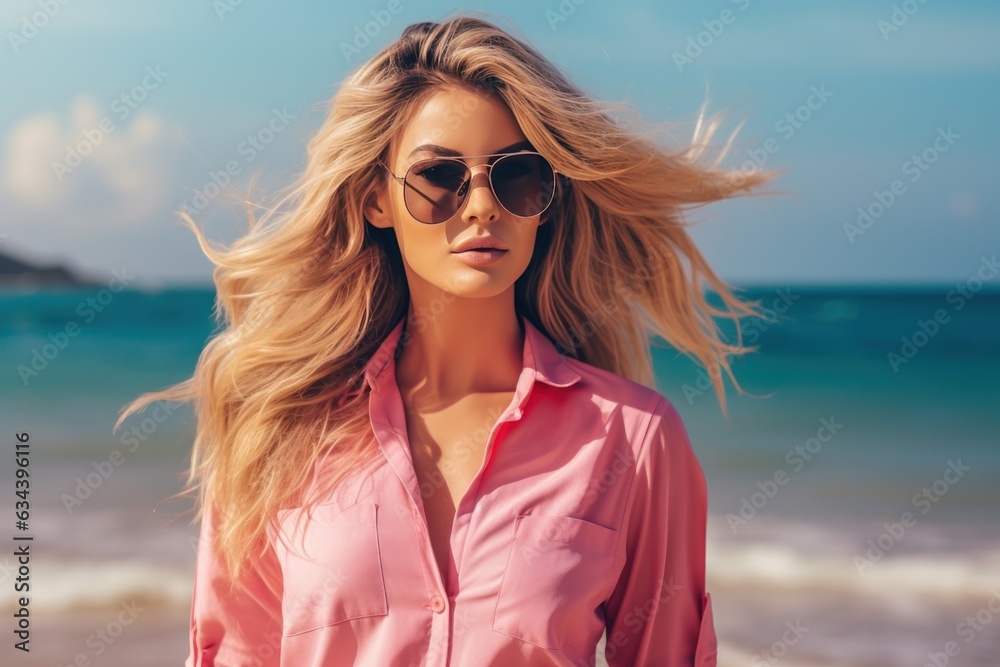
x: 781, y: 557
x: 60, y: 586
x: 835, y: 564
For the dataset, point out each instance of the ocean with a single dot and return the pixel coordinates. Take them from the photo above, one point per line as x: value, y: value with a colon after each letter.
x: 854, y: 498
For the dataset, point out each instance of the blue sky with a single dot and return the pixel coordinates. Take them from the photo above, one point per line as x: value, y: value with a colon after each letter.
x: 922, y: 83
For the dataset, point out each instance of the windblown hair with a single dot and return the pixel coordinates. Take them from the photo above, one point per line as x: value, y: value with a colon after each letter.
x: 307, y: 298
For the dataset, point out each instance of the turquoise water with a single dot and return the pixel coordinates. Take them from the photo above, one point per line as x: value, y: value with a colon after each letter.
x: 855, y: 443
x: 826, y: 357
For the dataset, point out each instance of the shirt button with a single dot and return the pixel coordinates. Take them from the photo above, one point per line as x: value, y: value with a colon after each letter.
x: 437, y: 604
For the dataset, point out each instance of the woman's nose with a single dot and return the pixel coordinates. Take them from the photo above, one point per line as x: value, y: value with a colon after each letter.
x: 480, y: 203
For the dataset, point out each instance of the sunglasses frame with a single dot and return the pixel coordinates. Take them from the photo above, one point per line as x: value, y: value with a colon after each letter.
x: 489, y: 166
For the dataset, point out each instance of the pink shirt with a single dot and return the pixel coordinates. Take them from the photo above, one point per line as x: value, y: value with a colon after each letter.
x: 588, y: 513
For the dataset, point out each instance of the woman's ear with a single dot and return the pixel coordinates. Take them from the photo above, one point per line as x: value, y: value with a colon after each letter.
x: 377, y: 208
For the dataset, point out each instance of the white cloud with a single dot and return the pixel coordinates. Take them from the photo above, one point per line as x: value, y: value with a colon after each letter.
x: 94, y: 171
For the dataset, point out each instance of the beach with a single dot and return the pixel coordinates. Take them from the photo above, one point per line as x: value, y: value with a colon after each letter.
x: 853, y: 513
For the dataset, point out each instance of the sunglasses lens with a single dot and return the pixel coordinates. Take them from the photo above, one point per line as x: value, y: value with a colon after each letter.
x: 524, y: 184
x: 435, y: 189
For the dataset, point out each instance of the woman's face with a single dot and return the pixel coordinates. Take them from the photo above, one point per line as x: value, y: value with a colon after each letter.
x: 468, y: 123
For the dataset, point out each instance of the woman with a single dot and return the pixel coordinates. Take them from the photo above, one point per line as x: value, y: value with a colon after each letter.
x: 429, y: 433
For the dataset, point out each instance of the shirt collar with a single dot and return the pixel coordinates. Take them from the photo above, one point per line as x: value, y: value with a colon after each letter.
x: 539, y: 357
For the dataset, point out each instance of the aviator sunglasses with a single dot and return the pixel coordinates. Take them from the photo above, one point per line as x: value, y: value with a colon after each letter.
x: 434, y: 189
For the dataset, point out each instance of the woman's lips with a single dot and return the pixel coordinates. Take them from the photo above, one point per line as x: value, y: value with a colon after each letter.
x: 480, y: 256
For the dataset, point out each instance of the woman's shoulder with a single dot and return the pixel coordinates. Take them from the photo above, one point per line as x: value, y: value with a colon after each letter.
x: 615, y: 392
x: 610, y: 385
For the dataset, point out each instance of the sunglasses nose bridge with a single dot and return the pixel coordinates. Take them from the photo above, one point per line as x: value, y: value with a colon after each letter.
x: 486, y: 181
x: 470, y: 171
x: 487, y: 170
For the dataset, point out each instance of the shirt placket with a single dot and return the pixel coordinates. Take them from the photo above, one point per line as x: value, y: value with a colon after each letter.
x: 389, y: 426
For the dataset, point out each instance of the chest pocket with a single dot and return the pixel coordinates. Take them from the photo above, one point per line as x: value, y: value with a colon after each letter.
x: 557, y: 574
x: 332, y: 568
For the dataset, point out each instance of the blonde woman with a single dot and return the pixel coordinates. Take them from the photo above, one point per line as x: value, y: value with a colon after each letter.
x: 428, y: 434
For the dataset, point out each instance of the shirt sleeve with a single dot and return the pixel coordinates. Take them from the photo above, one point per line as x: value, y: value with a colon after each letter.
x: 234, y: 627
x: 659, y: 612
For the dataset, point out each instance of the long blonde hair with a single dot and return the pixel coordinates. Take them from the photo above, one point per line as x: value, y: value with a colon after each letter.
x: 308, y: 294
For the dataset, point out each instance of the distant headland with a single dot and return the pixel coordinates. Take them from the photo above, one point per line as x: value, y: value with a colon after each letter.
x: 15, y: 272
